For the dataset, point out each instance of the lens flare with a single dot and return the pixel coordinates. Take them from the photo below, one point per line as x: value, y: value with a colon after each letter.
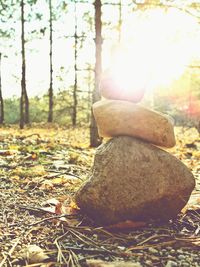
x: 156, y: 48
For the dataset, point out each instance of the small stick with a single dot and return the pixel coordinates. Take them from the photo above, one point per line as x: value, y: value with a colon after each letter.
x: 30, y: 135
x: 58, y: 173
x: 165, y: 243
x: 102, y: 251
x: 150, y: 238
x: 10, y: 252
x: 49, y: 218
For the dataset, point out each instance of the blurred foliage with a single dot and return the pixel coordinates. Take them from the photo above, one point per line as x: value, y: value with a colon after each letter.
x: 39, y: 109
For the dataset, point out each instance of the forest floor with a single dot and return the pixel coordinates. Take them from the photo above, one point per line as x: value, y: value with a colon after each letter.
x: 40, y: 225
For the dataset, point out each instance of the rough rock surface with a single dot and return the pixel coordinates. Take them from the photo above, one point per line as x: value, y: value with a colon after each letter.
x: 116, y: 118
x: 134, y: 180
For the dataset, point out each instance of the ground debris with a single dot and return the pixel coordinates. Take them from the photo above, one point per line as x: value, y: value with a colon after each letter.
x: 100, y: 263
x: 40, y: 172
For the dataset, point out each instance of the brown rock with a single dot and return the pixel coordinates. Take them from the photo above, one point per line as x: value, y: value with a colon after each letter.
x: 115, y: 118
x: 134, y: 180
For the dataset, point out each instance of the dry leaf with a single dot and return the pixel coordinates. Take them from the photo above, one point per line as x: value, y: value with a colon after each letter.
x: 59, y: 181
x: 34, y: 254
x: 74, y: 206
x: 51, y: 201
x: 61, y: 208
x: 126, y: 225
x: 7, y: 152
x: 46, y: 185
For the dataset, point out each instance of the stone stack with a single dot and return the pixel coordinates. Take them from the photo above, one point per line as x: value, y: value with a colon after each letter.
x: 132, y: 178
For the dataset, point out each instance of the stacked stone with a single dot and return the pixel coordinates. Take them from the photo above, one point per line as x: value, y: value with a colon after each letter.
x: 132, y: 178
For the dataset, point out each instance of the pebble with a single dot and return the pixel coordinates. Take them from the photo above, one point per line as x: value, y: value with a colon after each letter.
x: 153, y: 250
x: 185, y: 264
x: 180, y: 251
x: 148, y: 262
x: 171, y: 264
x: 181, y: 257
x: 170, y: 257
x: 169, y: 248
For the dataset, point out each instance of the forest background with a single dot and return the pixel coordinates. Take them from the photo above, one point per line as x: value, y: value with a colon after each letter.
x: 53, y: 54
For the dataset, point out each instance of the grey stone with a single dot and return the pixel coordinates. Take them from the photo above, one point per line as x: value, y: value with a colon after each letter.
x: 153, y: 250
x: 185, y: 264
x: 134, y: 180
x: 149, y: 262
x: 181, y: 257
x: 171, y: 264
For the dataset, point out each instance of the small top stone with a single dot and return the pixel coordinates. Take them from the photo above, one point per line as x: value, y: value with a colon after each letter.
x: 118, y: 118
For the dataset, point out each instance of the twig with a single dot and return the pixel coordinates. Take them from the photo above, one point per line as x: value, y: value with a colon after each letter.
x: 60, y: 255
x: 10, y: 252
x: 35, y: 209
x: 50, y: 218
x: 58, y: 173
x: 150, y: 238
x: 30, y: 135
x: 74, y: 259
x: 40, y: 209
x: 165, y: 243
x: 100, y: 251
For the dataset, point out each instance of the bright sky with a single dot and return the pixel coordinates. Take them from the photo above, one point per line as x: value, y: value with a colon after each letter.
x: 156, y: 48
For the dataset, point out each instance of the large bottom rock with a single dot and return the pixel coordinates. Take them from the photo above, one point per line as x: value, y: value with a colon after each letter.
x: 134, y: 180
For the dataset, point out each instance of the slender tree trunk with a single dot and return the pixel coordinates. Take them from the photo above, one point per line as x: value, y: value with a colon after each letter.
x: 120, y: 20
x: 89, y: 96
x: 75, y: 101
x: 50, y: 116
x: 1, y: 99
x: 23, y: 79
x: 95, y: 140
x: 26, y: 117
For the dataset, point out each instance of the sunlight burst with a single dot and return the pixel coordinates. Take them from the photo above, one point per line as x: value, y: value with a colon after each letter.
x: 155, y: 50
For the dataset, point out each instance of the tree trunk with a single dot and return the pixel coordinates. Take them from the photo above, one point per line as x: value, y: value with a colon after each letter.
x: 95, y: 140
x: 89, y: 96
x: 75, y: 101
x: 23, y: 79
x: 26, y: 100
x: 50, y: 116
x: 120, y: 20
x: 1, y: 99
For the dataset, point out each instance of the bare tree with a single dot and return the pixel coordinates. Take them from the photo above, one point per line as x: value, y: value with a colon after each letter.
x: 50, y: 116
x: 1, y: 98
x: 75, y: 101
x: 120, y: 20
x: 24, y: 101
x: 95, y: 140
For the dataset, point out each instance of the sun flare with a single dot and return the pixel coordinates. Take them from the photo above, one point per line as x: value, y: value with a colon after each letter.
x: 155, y: 49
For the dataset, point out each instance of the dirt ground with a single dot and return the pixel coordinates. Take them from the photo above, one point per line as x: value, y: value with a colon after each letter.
x: 40, y: 225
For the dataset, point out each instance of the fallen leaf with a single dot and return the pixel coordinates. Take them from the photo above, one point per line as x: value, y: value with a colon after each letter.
x: 193, y: 203
x: 74, y: 206
x: 64, y: 207
x: 34, y: 254
x: 7, y: 152
x: 51, y: 201
x: 126, y: 225
x: 59, y: 181
x: 46, y: 185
